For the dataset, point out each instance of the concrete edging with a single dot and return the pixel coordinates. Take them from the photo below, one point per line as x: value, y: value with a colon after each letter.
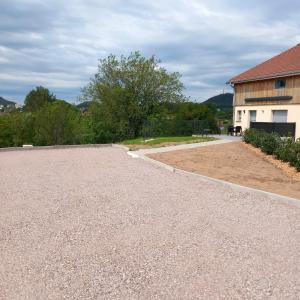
x: 120, y: 147
x: 54, y: 147
x: 285, y: 199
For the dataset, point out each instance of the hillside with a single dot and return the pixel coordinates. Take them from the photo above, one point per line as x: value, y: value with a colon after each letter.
x: 221, y: 101
x: 83, y: 106
x: 5, y: 102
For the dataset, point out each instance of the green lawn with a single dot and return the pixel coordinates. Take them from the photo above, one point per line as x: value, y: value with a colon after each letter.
x: 162, y: 140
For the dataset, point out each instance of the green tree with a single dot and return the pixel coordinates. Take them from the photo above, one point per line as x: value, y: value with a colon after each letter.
x: 6, y: 138
x: 37, y: 98
x: 128, y: 90
x: 22, y: 128
x: 16, y: 129
x: 56, y: 124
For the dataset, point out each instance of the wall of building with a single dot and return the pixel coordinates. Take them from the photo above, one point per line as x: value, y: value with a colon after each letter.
x: 264, y: 114
x: 266, y: 88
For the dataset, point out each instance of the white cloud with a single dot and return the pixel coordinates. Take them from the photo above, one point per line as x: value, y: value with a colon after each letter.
x: 51, y: 80
x: 57, y: 43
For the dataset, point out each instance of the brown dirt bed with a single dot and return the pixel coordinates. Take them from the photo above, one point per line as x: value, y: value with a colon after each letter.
x: 236, y: 162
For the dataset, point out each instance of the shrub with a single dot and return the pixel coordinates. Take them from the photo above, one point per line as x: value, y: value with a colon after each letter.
x: 270, y: 142
x: 289, y: 151
x: 259, y: 138
x: 55, y: 124
x: 286, y: 150
x: 6, y: 137
x: 248, y: 135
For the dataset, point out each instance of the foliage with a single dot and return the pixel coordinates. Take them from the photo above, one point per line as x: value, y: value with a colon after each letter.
x: 289, y: 151
x: 129, y: 90
x: 268, y: 142
x: 5, y: 132
x: 37, y: 98
x: 128, y: 97
x: 22, y: 128
x: 223, y: 104
x: 56, y: 123
x: 185, y: 118
x: 286, y: 150
x: 174, y: 127
x: 16, y: 129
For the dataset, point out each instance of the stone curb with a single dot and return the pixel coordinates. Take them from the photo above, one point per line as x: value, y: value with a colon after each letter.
x: 285, y: 199
x: 54, y: 147
x: 120, y: 147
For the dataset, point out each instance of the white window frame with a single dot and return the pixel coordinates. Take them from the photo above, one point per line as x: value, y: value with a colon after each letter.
x: 285, y: 116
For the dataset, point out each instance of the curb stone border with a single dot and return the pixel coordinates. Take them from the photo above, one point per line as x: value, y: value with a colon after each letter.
x: 285, y: 199
x: 120, y: 147
x: 54, y: 147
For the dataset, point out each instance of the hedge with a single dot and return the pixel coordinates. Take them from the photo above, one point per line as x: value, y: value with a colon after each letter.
x: 285, y: 149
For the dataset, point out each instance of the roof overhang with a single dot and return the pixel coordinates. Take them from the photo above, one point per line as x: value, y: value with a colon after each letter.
x: 264, y: 77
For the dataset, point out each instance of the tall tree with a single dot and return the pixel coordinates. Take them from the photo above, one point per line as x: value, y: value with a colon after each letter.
x: 37, y: 98
x: 56, y: 123
x: 130, y: 89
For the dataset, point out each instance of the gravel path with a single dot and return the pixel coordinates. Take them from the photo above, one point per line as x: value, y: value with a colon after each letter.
x: 97, y: 224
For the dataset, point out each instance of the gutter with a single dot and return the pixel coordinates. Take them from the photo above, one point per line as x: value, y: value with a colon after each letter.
x: 259, y: 78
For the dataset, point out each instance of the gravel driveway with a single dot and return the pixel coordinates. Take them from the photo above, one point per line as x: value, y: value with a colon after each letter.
x: 93, y: 223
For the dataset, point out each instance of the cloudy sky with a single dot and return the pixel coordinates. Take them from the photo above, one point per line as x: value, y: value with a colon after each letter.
x: 56, y: 43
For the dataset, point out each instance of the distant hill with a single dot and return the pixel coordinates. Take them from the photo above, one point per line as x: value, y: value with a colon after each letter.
x: 83, y: 106
x: 5, y: 102
x: 221, y: 101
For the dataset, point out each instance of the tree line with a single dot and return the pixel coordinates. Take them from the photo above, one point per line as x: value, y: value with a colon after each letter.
x: 125, y: 93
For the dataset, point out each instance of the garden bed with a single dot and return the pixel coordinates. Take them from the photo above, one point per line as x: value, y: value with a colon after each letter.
x: 236, y: 162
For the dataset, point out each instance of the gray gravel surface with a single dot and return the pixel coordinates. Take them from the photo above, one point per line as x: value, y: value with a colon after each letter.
x: 97, y: 224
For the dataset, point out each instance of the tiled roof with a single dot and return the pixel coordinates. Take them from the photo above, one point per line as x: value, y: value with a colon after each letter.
x: 285, y: 64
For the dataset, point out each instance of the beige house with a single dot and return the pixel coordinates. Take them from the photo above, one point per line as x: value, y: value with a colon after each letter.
x: 268, y: 95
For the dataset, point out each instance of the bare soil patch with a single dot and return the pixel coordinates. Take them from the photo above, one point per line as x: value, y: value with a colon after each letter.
x: 237, y: 163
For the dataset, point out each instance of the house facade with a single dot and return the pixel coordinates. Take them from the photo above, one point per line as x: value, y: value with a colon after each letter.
x: 268, y: 95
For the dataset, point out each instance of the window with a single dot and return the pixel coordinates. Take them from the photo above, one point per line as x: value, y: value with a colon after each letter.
x: 252, y: 114
x: 280, y: 116
x: 238, y: 115
x: 280, y: 84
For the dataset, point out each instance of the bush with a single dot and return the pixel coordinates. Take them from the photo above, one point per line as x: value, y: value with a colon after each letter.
x: 55, y: 124
x: 16, y: 129
x: 286, y: 150
x: 270, y: 143
x: 289, y: 151
x: 6, y: 137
